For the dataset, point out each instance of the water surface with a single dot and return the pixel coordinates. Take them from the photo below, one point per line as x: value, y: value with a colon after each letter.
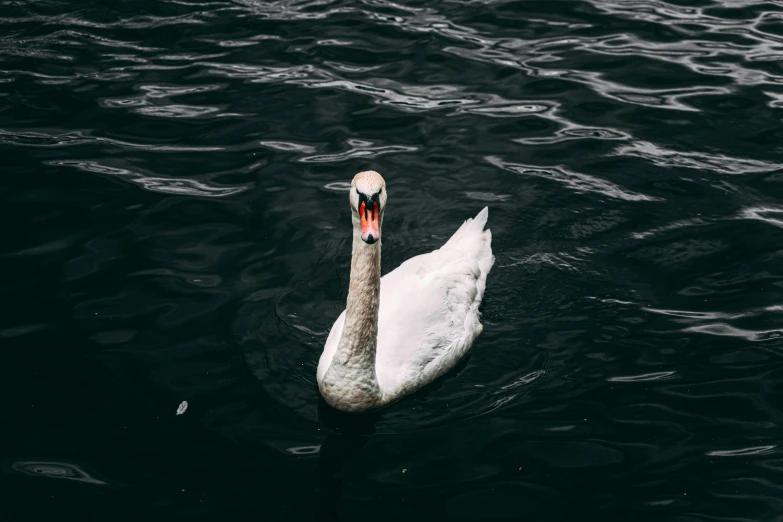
x: 177, y: 228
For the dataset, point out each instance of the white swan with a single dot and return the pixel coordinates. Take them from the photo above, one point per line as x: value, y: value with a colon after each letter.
x: 404, y: 330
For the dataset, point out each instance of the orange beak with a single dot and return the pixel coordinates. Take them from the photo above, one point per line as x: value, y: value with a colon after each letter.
x: 371, y: 229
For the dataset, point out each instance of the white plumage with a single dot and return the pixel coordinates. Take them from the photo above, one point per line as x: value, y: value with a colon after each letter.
x: 427, y: 320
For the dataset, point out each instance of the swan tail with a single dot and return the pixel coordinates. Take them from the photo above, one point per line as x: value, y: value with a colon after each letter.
x: 468, y: 233
x: 485, y: 261
x: 476, y: 244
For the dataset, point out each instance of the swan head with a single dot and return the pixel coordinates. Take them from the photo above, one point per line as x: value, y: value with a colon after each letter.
x: 368, y: 200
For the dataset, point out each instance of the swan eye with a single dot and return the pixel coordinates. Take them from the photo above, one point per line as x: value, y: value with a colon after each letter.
x: 370, y: 202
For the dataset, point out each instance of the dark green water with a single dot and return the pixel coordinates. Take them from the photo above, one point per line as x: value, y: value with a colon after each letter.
x: 176, y: 228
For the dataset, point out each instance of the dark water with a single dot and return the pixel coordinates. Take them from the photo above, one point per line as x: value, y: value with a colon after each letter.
x: 176, y: 228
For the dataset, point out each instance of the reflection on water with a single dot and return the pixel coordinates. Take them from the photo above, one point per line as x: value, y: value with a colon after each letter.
x: 351, y: 434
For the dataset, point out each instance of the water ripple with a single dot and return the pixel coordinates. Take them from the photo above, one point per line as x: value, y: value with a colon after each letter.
x: 559, y: 260
x: 695, y: 160
x: 73, y: 138
x: 487, y: 196
x: 574, y: 132
x: 360, y: 150
x: 726, y: 330
x: 134, y: 22
x: 697, y: 316
x: 769, y: 214
x: 56, y: 470
x: 674, y: 225
x: 758, y: 450
x: 338, y: 186
x: 645, y: 377
x: 287, y: 146
x: 177, y: 111
x: 180, y: 186
x: 574, y: 180
x: 292, y: 11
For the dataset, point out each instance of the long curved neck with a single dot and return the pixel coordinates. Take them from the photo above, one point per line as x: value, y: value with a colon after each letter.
x: 360, y: 333
x: 351, y: 378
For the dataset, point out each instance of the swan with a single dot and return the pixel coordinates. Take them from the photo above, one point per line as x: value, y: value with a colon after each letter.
x: 404, y: 330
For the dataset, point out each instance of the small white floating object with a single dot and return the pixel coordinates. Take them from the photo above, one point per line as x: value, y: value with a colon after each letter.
x: 182, y: 407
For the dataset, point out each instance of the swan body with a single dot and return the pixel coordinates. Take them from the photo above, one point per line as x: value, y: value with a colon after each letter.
x: 406, y: 329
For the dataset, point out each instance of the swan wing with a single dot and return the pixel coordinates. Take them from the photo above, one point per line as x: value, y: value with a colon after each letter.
x: 428, y: 316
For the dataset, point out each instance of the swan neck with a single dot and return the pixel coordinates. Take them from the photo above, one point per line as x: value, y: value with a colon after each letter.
x: 351, y: 383
x: 360, y: 334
